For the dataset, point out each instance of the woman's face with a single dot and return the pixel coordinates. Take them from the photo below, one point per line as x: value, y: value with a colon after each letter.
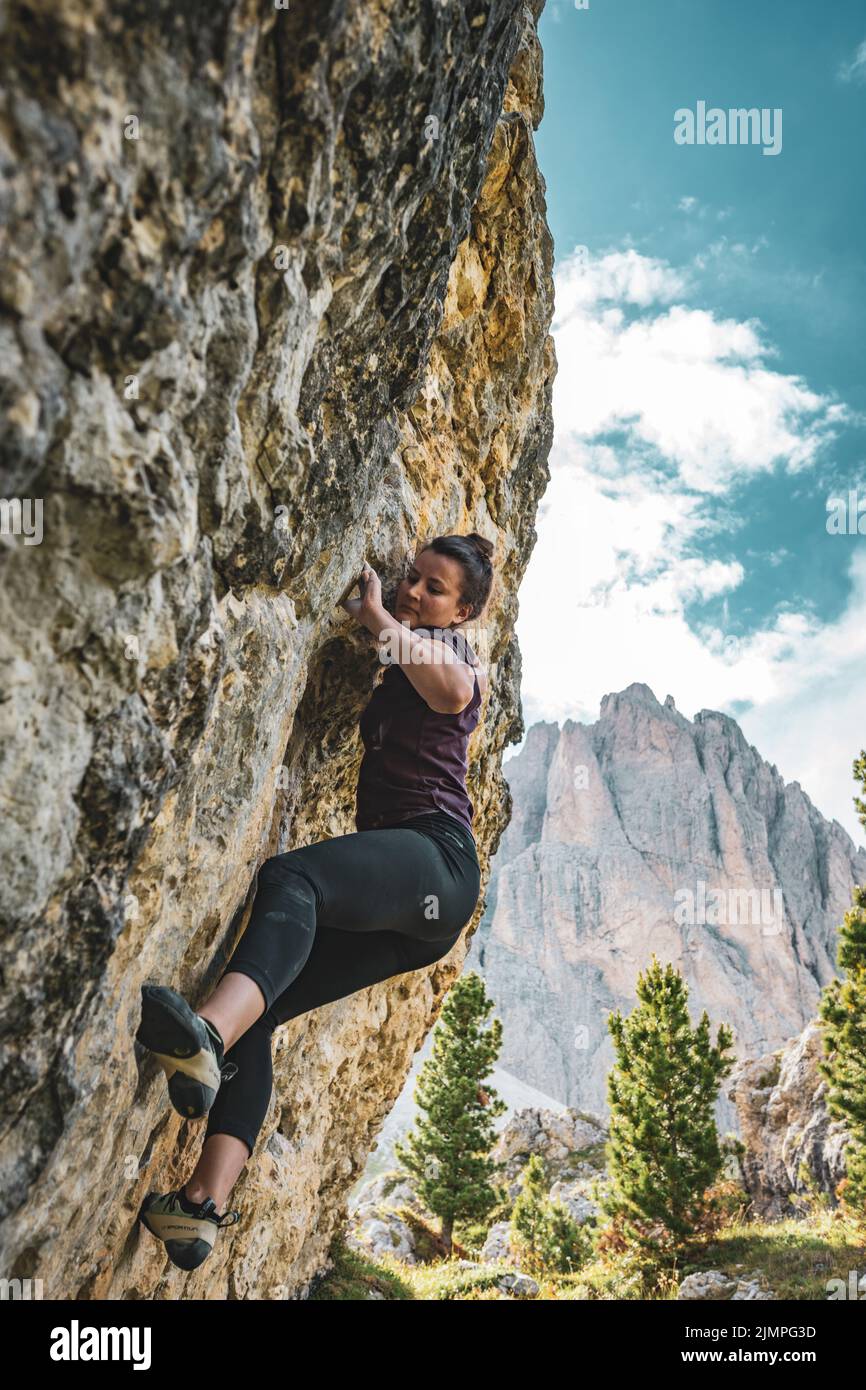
x: 429, y: 595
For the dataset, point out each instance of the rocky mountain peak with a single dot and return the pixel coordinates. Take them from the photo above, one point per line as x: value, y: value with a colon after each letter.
x: 649, y: 832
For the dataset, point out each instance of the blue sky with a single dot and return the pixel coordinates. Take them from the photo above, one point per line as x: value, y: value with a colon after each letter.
x: 711, y: 393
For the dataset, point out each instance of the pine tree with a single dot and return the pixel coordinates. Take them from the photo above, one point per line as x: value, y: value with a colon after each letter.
x: 860, y: 776
x: 843, y: 1013
x: 447, y: 1152
x: 544, y: 1232
x: 527, y: 1214
x: 663, y: 1150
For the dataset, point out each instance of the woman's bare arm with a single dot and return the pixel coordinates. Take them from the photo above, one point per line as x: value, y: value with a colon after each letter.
x: 441, y: 678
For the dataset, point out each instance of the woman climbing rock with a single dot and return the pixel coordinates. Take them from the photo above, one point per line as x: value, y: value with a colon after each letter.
x: 334, y: 917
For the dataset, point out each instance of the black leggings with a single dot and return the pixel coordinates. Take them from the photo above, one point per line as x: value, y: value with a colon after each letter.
x: 331, y: 918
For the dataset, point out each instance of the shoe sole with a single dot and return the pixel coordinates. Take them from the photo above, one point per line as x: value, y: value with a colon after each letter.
x: 180, y: 1042
x: 188, y: 1240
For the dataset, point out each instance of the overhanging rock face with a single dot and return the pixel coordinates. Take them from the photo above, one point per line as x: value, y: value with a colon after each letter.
x: 275, y: 294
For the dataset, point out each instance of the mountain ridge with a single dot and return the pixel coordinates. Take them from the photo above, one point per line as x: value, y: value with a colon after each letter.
x: 616, y: 827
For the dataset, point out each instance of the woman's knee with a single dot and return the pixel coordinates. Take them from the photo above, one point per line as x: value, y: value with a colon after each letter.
x: 285, y: 871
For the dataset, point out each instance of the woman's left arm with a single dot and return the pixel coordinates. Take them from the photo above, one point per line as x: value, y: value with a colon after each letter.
x: 445, y: 682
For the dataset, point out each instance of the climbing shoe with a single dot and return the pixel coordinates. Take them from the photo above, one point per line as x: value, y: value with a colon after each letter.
x: 187, y: 1046
x: 187, y: 1229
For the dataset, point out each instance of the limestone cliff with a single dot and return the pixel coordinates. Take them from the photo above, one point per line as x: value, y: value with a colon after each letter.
x: 275, y: 289
x: 615, y: 827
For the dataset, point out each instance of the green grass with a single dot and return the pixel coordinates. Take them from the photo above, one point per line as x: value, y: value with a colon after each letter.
x: 354, y: 1276
x: 796, y: 1258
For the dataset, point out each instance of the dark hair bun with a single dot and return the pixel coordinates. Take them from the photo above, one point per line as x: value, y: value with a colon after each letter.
x: 484, y: 547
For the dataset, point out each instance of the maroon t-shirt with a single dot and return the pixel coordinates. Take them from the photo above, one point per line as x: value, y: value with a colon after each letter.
x: 415, y: 759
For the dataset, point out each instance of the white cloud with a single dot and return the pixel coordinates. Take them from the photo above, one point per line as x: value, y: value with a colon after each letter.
x: 602, y: 605
x: 620, y: 277
x: 856, y: 69
x: 694, y: 387
x: 732, y: 252
x: 602, y: 601
x: 692, y: 206
x: 621, y: 530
